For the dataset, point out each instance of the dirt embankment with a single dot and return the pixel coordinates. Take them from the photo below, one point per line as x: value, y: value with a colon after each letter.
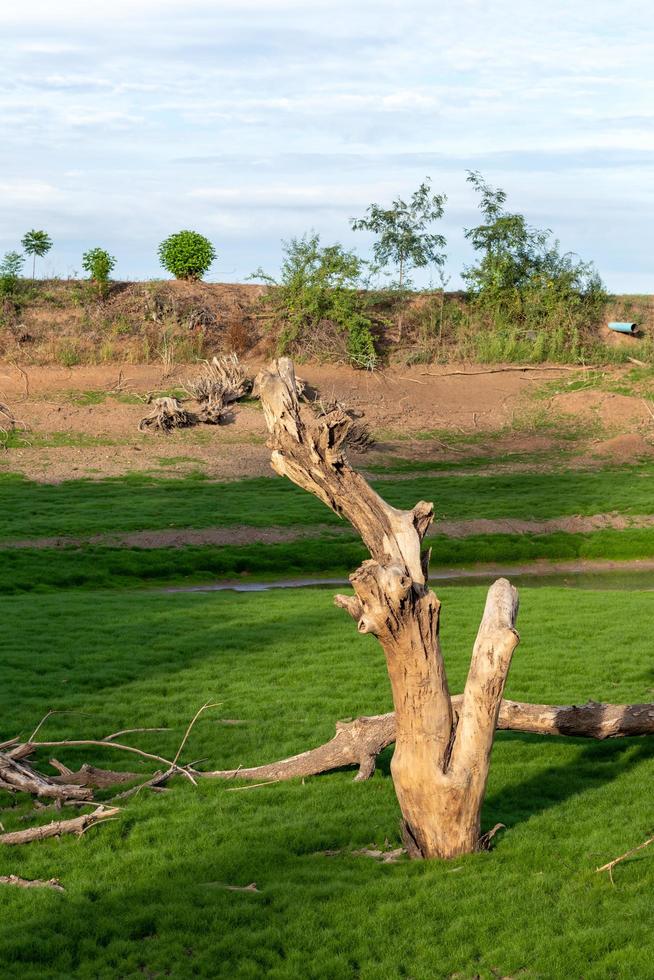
x: 68, y: 322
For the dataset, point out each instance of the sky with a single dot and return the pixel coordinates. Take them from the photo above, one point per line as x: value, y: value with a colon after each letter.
x: 253, y: 121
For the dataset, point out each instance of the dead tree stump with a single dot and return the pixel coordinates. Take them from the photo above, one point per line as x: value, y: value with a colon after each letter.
x: 441, y: 759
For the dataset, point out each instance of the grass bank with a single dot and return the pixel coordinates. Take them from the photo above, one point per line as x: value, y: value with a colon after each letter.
x: 53, y: 569
x: 30, y: 509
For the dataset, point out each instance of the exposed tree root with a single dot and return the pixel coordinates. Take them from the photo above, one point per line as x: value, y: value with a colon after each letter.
x: 220, y: 383
x: 359, y: 742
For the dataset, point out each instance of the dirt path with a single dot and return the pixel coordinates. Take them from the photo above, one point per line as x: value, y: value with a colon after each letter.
x: 245, y: 534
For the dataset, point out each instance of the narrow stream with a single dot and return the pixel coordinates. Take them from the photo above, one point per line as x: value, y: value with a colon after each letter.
x: 612, y: 576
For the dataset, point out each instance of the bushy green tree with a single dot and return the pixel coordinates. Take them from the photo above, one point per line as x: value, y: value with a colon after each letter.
x: 99, y: 264
x: 320, y: 285
x: 11, y: 267
x: 36, y: 243
x: 521, y: 275
x: 405, y: 239
x: 186, y: 255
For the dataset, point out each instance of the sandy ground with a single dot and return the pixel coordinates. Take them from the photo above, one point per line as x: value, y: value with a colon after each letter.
x: 402, y: 406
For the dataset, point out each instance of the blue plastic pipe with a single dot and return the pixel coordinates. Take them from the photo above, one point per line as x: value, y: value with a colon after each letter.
x: 623, y: 327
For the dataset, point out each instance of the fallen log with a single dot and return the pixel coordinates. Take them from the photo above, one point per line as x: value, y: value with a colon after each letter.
x: 78, y: 825
x: 359, y: 742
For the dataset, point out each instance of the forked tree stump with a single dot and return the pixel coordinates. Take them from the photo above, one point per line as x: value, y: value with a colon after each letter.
x: 441, y: 759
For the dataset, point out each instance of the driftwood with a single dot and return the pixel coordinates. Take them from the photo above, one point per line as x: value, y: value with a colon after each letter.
x: 78, y: 825
x: 359, y: 742
x: 442, y: 745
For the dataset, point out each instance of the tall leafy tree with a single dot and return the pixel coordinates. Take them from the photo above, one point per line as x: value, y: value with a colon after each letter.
x: 405, y: 238
x: 36, y: 243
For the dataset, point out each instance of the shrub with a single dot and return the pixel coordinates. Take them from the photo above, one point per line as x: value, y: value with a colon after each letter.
x: 523, y: 283
x: 316, y: 300
x: 99, y: 265
x: 360, y: 345
x: 11, y: 267
x: 186, y: 255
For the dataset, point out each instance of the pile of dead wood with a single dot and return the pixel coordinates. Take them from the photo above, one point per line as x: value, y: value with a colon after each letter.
x: 221, y: 383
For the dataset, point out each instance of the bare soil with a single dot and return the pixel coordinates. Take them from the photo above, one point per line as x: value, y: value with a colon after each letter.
x: 435, y: 413
x: 244, y: 534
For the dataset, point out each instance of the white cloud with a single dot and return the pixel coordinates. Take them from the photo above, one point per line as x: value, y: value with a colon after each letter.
x: 261, y: 118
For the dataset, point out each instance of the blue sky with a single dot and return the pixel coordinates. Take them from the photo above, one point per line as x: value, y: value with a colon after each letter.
x: 257, y: 120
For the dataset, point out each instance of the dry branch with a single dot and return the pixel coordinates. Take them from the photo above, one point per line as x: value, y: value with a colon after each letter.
x: 503, y: 370
x: 623, y: 857
x: 78, y: 825
x: 52, y: 883
x: 91, y: 776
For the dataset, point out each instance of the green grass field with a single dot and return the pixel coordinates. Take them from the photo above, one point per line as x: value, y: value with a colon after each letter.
x: 29, y: 509
x: 94, y: 567
x: 145, y: 895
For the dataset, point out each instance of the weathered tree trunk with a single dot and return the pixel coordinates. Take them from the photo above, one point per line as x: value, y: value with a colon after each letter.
x: 439, y: 767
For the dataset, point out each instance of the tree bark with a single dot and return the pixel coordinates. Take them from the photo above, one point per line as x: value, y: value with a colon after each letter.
x: 439, y: 769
